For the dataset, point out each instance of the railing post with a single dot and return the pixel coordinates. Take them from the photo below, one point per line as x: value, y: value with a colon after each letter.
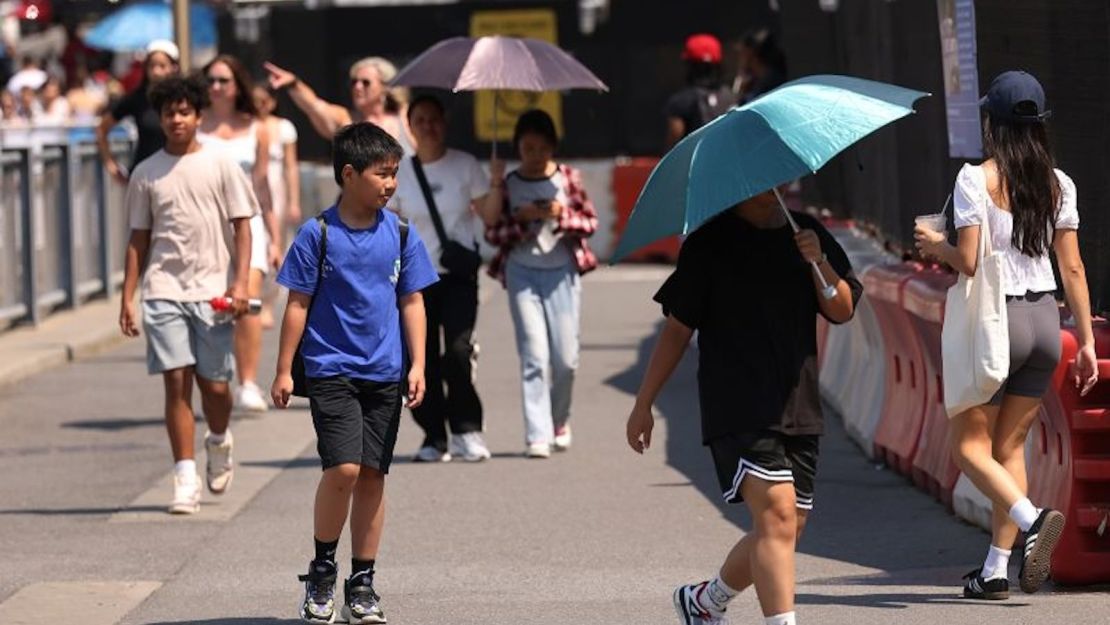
x: 104, y: 234
x: 69, y: 232
x: 30, y: 229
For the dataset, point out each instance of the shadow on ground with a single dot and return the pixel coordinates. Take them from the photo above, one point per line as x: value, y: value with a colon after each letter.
x: 864, y: 514
x: 254, y: 620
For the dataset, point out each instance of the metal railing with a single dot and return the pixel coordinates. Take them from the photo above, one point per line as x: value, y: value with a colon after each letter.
x: 62, y: 221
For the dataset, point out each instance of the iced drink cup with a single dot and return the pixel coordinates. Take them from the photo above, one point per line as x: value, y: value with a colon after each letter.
x: 935, y: 222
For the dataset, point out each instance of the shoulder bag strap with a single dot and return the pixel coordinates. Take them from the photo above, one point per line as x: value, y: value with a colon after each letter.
x: 986, y: 246
x: 429, y: 199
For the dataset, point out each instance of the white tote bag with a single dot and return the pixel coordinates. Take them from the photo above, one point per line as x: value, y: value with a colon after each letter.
x: 975, y: 337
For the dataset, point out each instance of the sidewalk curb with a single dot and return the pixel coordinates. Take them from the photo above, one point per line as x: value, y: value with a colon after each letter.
x: 65, y: 337
x: 27, y: 365
x: 37, y: 359
x: 95, y: 343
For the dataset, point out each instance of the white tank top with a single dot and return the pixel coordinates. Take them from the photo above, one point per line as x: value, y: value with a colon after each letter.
x: 243, y: 149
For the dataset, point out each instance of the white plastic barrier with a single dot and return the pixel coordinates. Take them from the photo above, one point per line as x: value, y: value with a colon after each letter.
x: 971, y: 505
x: 853, y: 371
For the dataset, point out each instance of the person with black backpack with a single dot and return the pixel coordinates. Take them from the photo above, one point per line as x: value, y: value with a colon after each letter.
x: 705, y: 96
x: 445, y: 193
x: 355, y: 311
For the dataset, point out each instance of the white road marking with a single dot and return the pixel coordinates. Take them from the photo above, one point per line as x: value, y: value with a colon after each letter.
x: 263, y: 447
x: 85, y: 602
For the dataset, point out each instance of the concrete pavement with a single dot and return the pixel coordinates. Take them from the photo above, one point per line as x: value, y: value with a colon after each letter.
x: 597, y: 535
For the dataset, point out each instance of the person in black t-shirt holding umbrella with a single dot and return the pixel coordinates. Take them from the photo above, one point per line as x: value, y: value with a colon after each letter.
x: 745, y: 282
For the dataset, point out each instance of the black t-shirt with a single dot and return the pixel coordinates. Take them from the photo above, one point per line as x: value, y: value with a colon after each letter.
x: 137, y: 106
x: 697, y: 106
x: 752, y: 299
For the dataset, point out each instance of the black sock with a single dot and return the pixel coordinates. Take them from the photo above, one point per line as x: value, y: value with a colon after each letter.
x: 363, y: 566
x: 326, y: 551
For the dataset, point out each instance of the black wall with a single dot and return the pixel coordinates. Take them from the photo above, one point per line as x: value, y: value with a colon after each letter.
x: 636, y: 52
x: 904, y: 170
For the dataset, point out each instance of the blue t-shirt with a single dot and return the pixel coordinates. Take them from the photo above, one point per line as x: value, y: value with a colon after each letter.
x: 354, y: 326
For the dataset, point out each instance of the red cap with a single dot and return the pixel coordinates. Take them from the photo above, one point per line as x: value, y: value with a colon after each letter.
x: 34, y: 10
x: 703, y: 48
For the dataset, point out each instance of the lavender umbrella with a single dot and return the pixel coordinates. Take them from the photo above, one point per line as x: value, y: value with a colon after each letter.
x: 469, y: 64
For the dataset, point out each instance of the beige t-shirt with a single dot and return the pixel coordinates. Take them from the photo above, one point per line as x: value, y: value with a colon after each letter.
x: 188, y: 202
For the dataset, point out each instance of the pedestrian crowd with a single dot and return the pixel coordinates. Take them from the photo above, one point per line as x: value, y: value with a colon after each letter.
x: 381, y: 304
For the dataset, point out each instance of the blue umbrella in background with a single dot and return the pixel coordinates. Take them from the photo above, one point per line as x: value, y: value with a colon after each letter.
x: 135, y: 25
x: 788, y: 133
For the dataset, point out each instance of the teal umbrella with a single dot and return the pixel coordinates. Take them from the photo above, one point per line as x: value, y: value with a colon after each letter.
x: 786, y: 134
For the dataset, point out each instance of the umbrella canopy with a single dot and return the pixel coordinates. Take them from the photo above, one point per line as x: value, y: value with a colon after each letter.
x: 469, y: 64
x: 788, y: 133
x: 136, y: 25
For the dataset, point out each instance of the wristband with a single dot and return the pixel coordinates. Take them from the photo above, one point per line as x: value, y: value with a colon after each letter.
x: 296, y: 81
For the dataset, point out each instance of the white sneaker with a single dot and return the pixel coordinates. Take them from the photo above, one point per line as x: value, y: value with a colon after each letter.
x: 186, y: 495
x: 538, y: 450
x: 249, y: 398
x: 562, y: 438
x: 220, y: 466
x: 431, y: 454
x: 469, y: 446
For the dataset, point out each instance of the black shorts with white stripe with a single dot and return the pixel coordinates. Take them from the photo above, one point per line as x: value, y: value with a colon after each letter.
x: 766, y: 455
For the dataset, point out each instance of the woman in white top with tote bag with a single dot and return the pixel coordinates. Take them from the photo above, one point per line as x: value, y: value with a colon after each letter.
x: 1002, y: 325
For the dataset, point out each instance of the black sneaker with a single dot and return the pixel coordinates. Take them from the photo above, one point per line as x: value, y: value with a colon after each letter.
x: 991, y: 589
x: 319, y: 592
x: 1040, y: 541
x: 361, y: 602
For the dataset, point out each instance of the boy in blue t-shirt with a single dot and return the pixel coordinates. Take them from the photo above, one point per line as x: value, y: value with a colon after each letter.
x: 347, y: 323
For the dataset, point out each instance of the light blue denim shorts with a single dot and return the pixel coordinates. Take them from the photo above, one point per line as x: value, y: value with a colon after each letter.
x: 187, y: 334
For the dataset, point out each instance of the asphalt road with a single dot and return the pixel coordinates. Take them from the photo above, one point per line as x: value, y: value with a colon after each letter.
x: 596, y: 535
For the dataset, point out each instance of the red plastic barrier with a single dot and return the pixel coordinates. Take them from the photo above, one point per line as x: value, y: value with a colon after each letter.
x: 904, y: 400
x: 629, y: 178
x: 933, y: 468
x: 1069, y: 466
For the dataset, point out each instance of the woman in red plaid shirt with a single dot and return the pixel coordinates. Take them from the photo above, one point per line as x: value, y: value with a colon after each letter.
x: 542, y: 252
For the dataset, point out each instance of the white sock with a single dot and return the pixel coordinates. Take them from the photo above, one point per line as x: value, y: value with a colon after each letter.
x: 1024, y: 514
x: 995, y: 566
x: 716, y: 595
x: 185, y: 470
x: 217, y: 439
x: 786, y: 618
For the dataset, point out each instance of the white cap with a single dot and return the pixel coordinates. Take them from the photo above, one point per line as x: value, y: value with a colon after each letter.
x: 165, y: 46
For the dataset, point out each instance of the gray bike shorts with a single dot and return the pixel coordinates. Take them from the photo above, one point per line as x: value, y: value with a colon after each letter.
x: 1034, y: 322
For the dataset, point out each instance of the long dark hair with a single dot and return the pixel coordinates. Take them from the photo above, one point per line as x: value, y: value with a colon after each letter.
x: 1023, y: 154
x: 244, y: 86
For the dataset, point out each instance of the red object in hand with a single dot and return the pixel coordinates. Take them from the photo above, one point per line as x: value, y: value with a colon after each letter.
x: 223, y: 305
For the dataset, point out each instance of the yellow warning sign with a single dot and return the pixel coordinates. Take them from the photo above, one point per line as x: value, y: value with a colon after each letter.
x: 536, y: 24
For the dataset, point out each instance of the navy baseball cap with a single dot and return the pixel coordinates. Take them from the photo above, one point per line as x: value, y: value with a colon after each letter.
x: 1015, y: 96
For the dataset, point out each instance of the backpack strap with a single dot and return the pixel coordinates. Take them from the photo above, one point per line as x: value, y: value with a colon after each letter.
x: 319, y: 261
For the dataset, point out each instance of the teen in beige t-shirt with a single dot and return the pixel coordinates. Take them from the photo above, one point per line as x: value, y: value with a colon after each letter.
x: 188, y: 202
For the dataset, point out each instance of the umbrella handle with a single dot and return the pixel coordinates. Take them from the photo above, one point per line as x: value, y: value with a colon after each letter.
x: 827, y: 290
x: 494, y: 157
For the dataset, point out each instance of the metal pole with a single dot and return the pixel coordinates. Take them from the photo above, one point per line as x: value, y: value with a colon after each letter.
x: 181, y: 33
x: 828, y: 290
x: 30, y: 262
x: 495, y: 123
x: 69, y: 226
x: 103, y: 233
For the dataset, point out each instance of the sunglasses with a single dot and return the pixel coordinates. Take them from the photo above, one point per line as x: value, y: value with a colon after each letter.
x: 218, y: 80
x: 361, y: 81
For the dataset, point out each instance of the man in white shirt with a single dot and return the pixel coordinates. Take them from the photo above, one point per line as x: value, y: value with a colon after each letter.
x: 463, y: 202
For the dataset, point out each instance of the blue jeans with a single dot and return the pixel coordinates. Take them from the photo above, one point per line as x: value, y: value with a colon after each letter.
x: 545, y: 307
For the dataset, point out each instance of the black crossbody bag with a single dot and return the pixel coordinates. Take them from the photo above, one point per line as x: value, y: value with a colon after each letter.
x: 300, y: 380
x: 458, y: 259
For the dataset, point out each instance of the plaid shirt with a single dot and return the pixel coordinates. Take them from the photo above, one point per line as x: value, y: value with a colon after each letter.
x: 577, y: 222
